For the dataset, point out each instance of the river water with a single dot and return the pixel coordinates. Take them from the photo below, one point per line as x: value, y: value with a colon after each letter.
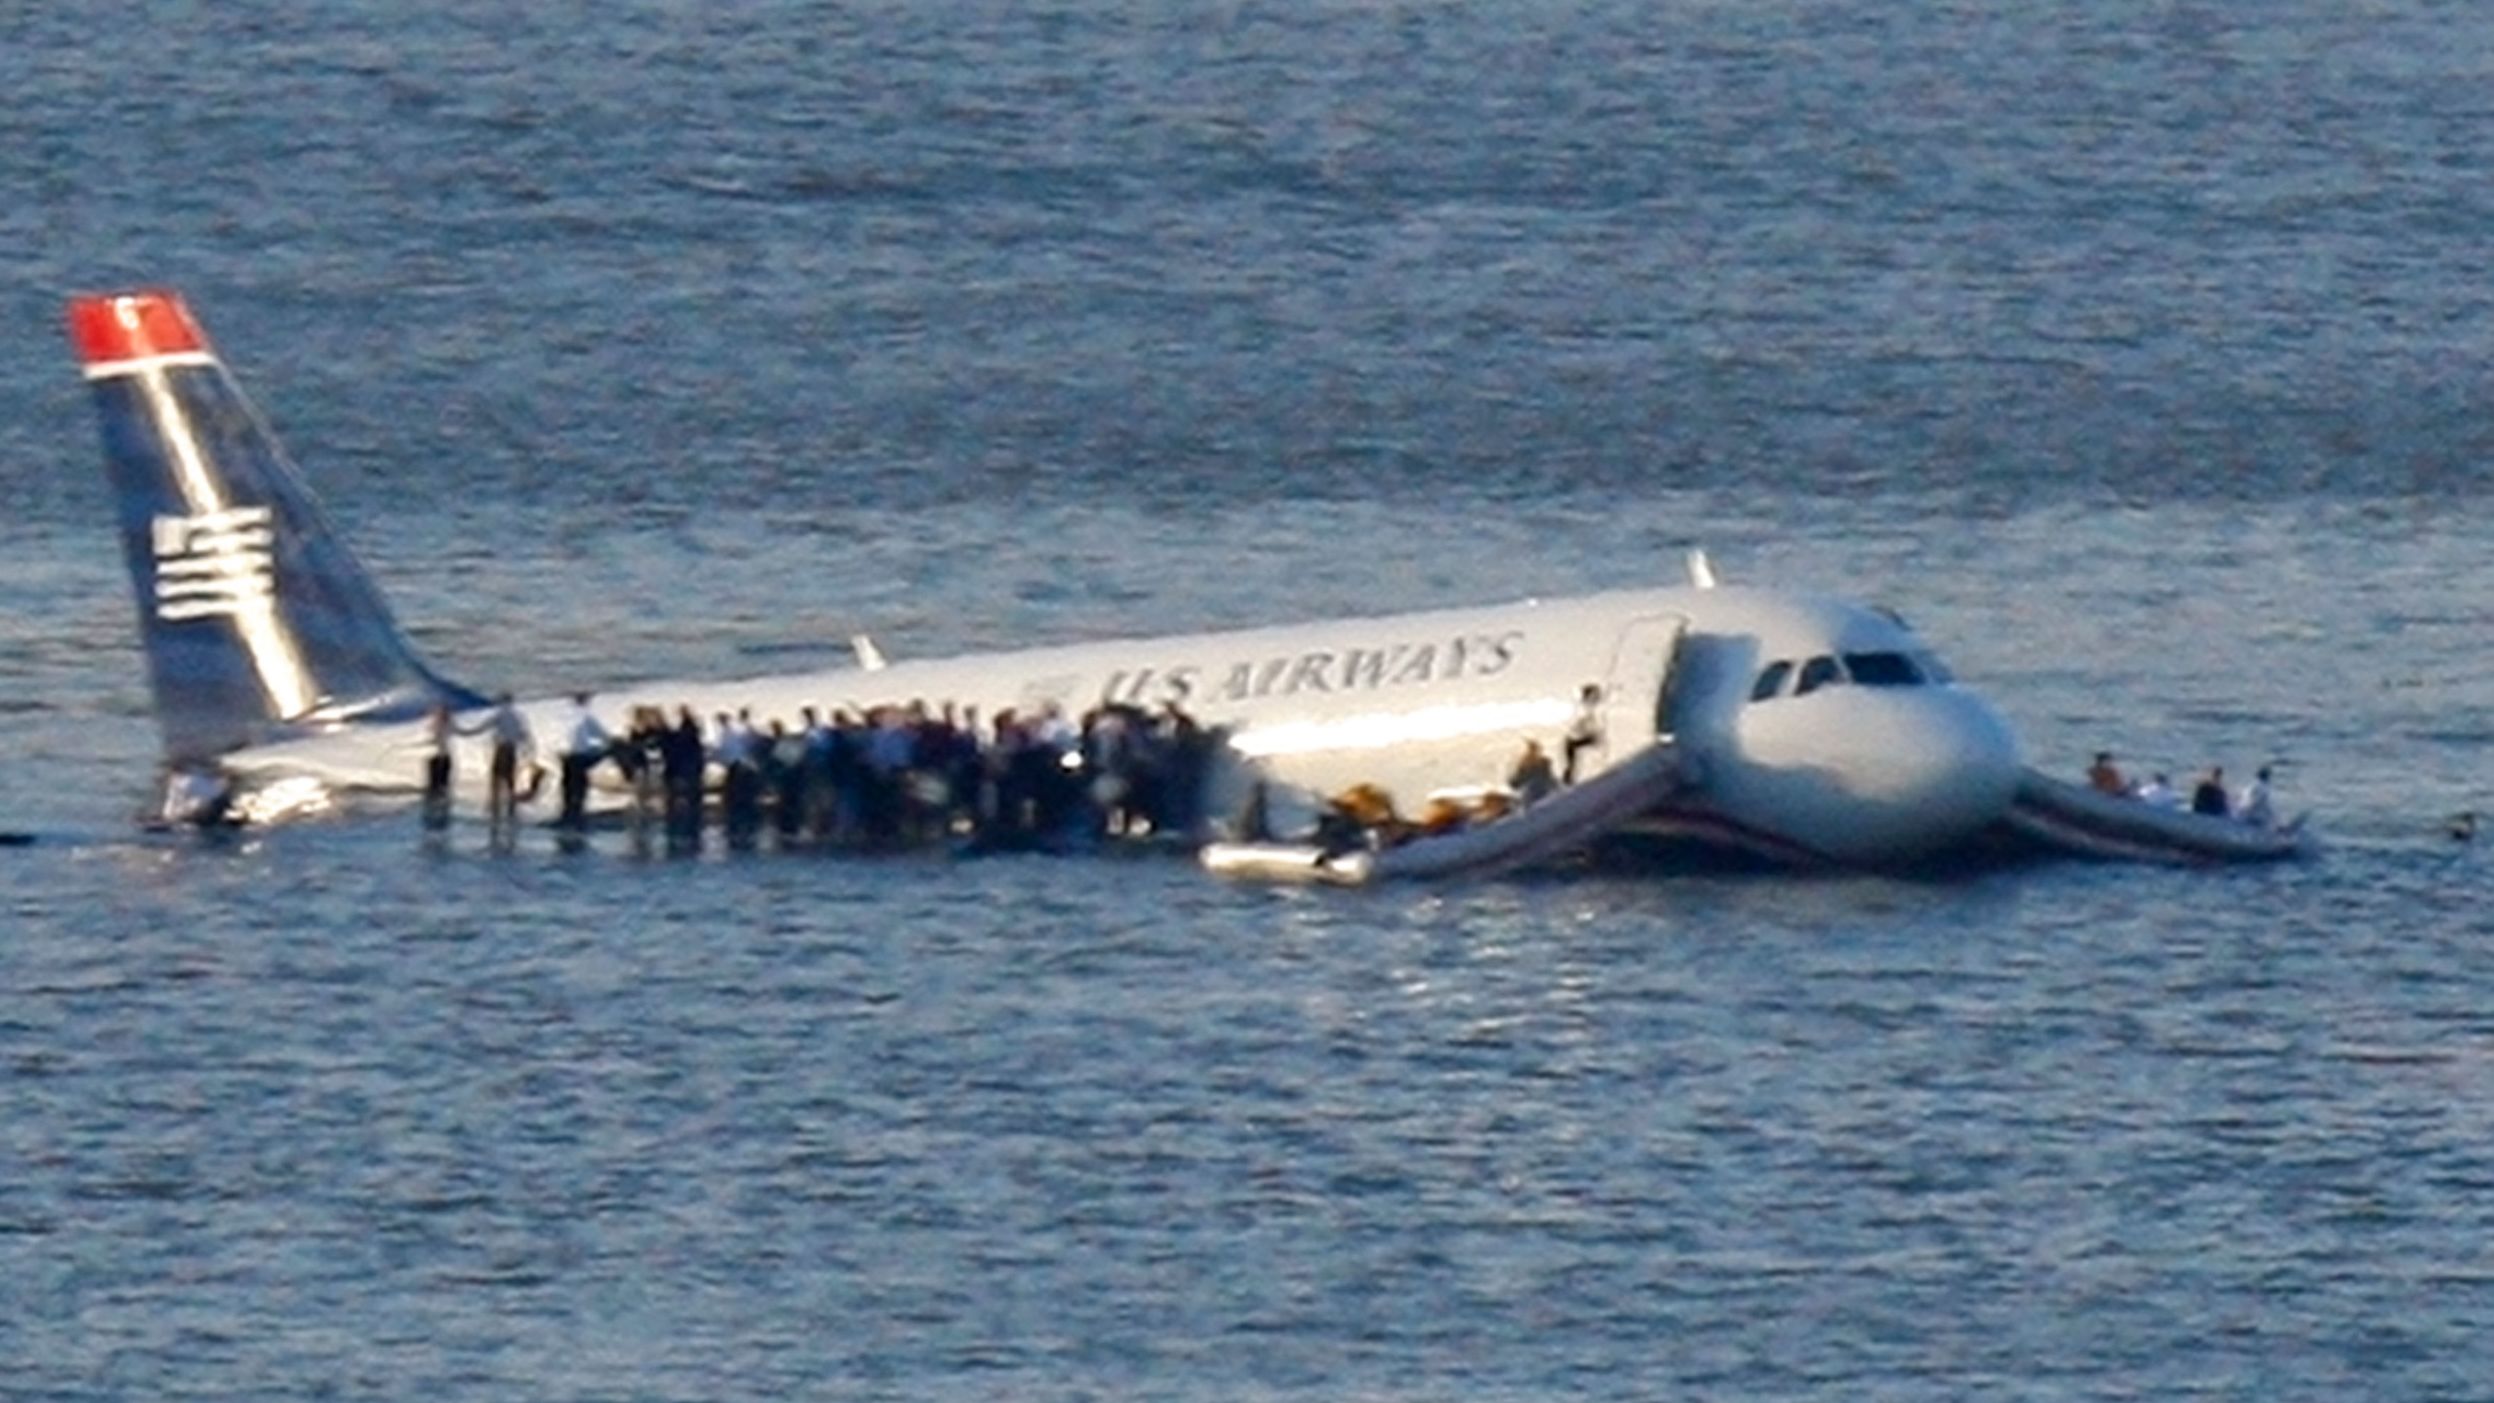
x: 2134, y: 350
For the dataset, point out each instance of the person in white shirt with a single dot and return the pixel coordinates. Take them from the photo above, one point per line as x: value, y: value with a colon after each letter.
x: 1583, y: 733
x: 2254, y: 805
x: 2159, y: 792
x: 738, y: 751
x: 512, y: 741
x: 586, y: 741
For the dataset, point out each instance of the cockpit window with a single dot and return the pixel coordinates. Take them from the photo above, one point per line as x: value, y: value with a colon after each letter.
x: 1883, y: 669
x: 1913, y: 669
x: 1771, y: 680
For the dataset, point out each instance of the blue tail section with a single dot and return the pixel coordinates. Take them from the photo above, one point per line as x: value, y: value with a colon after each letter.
x: 259, y: 623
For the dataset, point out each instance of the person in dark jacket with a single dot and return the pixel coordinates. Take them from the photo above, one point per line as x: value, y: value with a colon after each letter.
x: 2209, y: 795
x: 680, y: 759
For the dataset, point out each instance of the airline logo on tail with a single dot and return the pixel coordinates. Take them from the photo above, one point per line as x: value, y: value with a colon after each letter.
x: 215, y: 564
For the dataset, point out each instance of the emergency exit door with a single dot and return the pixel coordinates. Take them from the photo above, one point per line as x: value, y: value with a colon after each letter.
x: 1636, y: 693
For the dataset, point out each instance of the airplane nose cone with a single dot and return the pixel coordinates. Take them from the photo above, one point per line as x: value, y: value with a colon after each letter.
x: 1974, y: 765
x: 1948, y: 768
x: 1874, y: 775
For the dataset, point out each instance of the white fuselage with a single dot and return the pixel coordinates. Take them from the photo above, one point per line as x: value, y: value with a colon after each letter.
x: 1866, y: 764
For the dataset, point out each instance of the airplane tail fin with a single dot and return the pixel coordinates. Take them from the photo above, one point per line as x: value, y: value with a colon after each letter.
x: 258, y: 621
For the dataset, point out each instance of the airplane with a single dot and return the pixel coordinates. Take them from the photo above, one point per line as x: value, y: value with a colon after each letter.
x: 1804, y: 729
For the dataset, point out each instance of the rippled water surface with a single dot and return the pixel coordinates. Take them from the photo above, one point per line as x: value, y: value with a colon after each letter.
x: 2136, y: 351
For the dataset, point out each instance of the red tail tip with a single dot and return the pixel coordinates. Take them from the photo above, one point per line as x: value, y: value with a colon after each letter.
x: 132, y: 325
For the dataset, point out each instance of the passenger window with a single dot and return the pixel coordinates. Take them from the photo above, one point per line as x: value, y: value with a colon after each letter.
x: 1771, y: 681
x: 1883, y: 669
x: 1817, y: 673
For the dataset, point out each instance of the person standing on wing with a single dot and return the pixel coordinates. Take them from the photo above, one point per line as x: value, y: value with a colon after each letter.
x: 586, y: 741
x: 512, y: 739
x: 438, y: 730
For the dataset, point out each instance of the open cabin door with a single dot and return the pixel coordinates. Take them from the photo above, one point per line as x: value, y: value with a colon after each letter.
x: 1636, y: 695
x: 1703, y: 697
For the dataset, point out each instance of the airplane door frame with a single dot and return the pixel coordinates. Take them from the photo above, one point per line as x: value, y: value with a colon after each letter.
x: 1636, y: 686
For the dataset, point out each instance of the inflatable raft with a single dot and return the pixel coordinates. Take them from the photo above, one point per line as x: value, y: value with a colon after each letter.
x: 2076, y: 819
x: 1557, y: 826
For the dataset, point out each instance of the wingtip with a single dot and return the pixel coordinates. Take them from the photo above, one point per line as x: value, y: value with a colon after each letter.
x: 128, y: 326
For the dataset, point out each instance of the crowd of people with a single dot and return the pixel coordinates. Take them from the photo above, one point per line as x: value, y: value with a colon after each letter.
x: 890, y: 776
x: 2209, y: 796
